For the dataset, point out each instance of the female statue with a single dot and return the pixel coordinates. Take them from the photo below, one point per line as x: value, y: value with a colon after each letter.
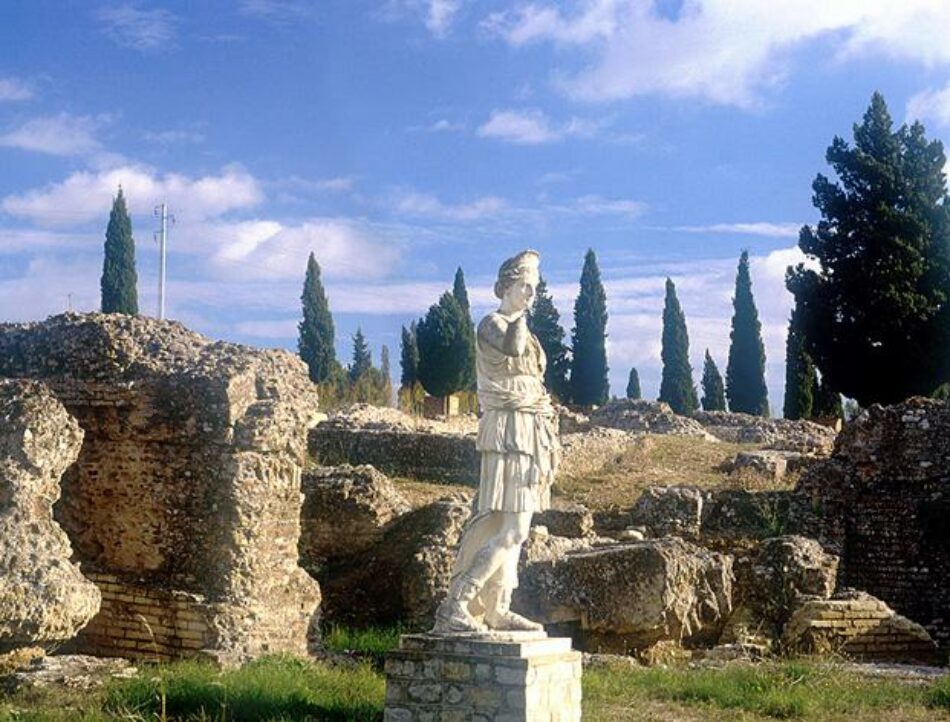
x: 518, y: 441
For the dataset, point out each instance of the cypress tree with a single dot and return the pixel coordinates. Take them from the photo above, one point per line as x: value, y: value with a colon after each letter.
x: 633, y: 385
x: 589, y: 383
x: 714, y: 394
x: 545, y: 323
x: 442, y: 348
x: 409, y: 357
x: 118, y: 282
x: 876, y: 313
x: 676, y: 386
x: 745, y: 372
x: 362, y: 359
x: 460, y: 293
x: 315, y: 341
x: 827, y: 400
x: 800, y: 377
x: 385, y: 377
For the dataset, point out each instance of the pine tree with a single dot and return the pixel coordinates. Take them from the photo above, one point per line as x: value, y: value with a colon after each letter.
x: 460, y: 293
x: 714, y: 395
x: 676, y: 386
x: 442, y: 347
x: 119, y: 280
x: 409, y: 357
x: 315, y: 342
x: 633, y: 385
x: 589, y: 383
x: 876, y: 314
x: 362, y: 359
x: 800, y: 377
x: 745, y: 372
x: 545, y: 323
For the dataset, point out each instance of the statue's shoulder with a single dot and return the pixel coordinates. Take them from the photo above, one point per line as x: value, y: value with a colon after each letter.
x: 492, y: 329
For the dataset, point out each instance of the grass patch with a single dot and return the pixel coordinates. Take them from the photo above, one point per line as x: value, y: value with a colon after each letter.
x: 653, y: 460
x: 769, y: 691
x: 271, y: 689
x: 373, y: 640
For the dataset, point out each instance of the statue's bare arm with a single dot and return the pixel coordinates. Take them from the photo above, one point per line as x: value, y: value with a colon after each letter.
x: 509, y: 337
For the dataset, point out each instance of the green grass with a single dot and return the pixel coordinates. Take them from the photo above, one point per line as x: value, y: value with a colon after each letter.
x: 776, y: 690
x: 374, y: 641
x: 285, y: 689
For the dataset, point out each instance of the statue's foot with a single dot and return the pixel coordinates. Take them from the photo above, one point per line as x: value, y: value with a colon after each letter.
x: 453, y: 618
x: 510, y: 622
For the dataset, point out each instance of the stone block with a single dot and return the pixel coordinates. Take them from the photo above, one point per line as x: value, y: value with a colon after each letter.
x: 516, y: 677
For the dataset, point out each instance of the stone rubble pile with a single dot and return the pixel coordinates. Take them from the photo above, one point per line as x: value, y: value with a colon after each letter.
x: 649, y: 417
x: 779, y: 434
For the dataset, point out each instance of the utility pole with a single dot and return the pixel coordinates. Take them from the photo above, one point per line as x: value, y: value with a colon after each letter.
x: 162, y: 212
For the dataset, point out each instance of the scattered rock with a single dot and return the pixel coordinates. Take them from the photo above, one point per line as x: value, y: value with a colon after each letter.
x: 572, y: 422
x: 44, y: 598
x: 401, y: 579
x: 572, y: 520
x: 780, y: 434
x: 858, y: 626
x: 739, y: 514
x: 73, y: 671
x: 630, y: 596
x: 671, y: 511
x: 345, y: 510
x: 650, y: 417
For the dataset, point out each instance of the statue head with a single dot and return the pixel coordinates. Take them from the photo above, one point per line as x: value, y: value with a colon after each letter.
x: 523, y: 267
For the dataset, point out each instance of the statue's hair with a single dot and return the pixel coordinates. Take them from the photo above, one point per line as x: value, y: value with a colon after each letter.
x: 514, y: 268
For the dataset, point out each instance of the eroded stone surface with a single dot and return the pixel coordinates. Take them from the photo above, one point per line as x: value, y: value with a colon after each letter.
x: 345, y: 511
x: 630, y: 596
x: 671, y: 510
x: 652, y: 417
x: 44, y: 598
x: 784, y: 434
x: 882, y: 502
x: 187, y: 485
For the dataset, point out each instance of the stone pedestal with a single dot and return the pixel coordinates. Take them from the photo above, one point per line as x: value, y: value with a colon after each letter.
x: 518, y: 677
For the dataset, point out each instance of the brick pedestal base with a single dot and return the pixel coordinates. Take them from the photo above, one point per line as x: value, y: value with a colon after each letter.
x: 523, y: 677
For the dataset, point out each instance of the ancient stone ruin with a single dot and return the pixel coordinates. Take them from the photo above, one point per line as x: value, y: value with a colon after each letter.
x: 44, y: 599
x: 183, y: 506
x: 882, y: 502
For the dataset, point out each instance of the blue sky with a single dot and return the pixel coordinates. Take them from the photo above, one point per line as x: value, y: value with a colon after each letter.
x: 398, y: 139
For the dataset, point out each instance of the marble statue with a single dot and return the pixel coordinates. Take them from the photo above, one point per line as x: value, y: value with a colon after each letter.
x: 518, y: 442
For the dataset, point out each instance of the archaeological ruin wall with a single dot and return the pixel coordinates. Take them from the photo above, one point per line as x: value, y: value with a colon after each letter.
x: 184, y: 503
x: 882, y: 502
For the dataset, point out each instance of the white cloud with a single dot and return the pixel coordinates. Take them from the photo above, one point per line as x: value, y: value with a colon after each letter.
x: 27, y: 240
x: 267, y: 249
x: 532, y: 127
x: 595, y: 205
x: 726, y: 51
x: 277, y: 11
x: 930, y: 105
x: 62, y: 134
x: 87, y: 195
x: 142, y: 30
x: 13, y: 89
x: 412, y: 203
x: 172, y: 137
x: 442, y: 125
x: 768, y: 230
x: 440, y: 16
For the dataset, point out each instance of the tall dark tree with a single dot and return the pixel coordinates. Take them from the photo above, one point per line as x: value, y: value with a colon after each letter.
x: 545, y: 323
x: 714, y: 393
x: 409, y: 357
x: 745, y: 371
x: 827, y: 400
x: 443, y: 345
x: 800, y: 377
x: 589, y: 383
x: 876, y: 313
x: 676, y: 385
x: 385, y: 377
x: 316, y: 334
x: 119, y: 279
x: 362, y: 358
x: 633, y: 385
x: 460, y: 293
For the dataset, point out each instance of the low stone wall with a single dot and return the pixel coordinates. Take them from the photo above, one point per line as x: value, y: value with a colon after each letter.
x: 446, y: 458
